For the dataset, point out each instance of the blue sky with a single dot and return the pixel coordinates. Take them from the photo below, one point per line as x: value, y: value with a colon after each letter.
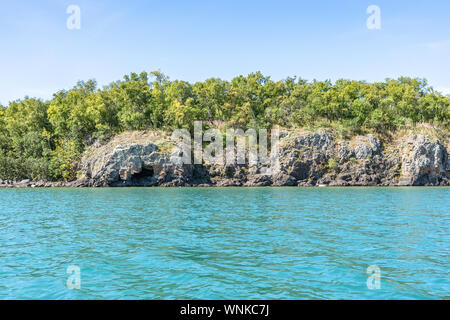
x: 195, y: 40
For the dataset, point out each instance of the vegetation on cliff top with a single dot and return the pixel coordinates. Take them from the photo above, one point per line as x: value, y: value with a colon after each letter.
x: 44, y: 139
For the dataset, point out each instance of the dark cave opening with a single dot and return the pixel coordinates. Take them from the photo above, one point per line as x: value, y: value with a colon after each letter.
x: 145, y: 173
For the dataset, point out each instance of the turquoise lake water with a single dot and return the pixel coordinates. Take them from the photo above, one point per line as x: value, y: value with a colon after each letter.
x: 225, y: 243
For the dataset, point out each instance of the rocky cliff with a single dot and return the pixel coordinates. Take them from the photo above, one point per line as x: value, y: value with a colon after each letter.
x: 304, y: 159
x: 308, y: 159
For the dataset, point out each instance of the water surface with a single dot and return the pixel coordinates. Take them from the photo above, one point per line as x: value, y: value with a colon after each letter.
x: 225, y: 243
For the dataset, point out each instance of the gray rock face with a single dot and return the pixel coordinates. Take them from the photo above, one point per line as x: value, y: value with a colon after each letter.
x: 126, y: 165
x: 369, y: 149
x: 302, y: 159
x: 424, y: 162
x: 305, y: 160
x: 139, y: 165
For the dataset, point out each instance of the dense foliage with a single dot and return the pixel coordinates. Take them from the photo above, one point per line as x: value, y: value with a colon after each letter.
x: 44, y: 140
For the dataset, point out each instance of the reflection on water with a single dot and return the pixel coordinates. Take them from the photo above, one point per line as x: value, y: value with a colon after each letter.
x: 231, y: 243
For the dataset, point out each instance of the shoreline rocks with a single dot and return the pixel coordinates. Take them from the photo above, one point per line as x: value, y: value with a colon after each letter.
x: 304, y: 160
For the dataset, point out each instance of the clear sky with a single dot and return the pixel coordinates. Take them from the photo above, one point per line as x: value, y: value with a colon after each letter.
x: 195, y: 40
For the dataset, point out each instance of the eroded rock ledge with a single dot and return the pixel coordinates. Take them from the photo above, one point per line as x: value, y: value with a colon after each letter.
x: 311, y: 159
x: 304, y: 160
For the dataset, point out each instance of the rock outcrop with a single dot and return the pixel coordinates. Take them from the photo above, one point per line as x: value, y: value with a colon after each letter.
x: 139, y: 165
x: 424, y: 162
x: 303, y: 160
x: 311, y: 159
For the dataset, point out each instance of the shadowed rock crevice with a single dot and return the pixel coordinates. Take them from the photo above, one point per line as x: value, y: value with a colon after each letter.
x: 145, y: 173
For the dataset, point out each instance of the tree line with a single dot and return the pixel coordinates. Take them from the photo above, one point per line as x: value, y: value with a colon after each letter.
x: 45, y: 139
